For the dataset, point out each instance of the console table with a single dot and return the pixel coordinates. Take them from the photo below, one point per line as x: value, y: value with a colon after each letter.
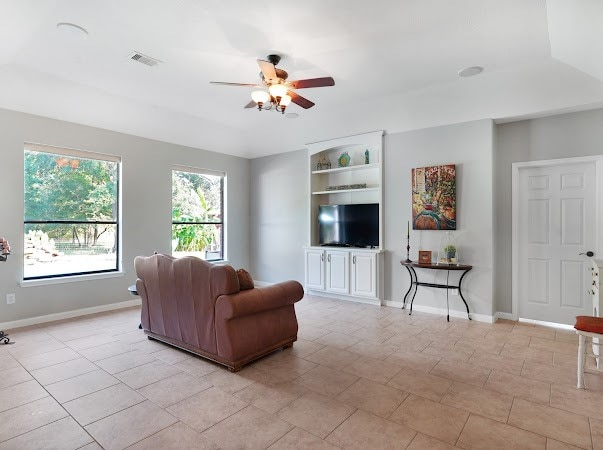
x: 414, y: 281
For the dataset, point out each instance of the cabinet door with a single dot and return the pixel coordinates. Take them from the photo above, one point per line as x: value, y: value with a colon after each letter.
x: 338, y: 272
x: 315, y: 269
x: 364, y: 274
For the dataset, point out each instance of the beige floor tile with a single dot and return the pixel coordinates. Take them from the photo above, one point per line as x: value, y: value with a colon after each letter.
x: 49, y: 359
x: 534, y: 331
x: 132, y: 336
x: 372, y: 397
x: 420, y: 383
x: 62, y: 371
x: 528, y: 353
x: 20, y: 394
x: 302, y: 348
x: 310, y: 332
x: 197, y: 366
x: 175, y: 437
x: 90, y: 341
x: 341, y: 326
x: 566, y: 359
x: 432, y: 418
x: 284, y: 366
x: 373, y: 334
x: 414, y: 360
x: 552, y: 444
x: 174, y: 389
x: 271, y: 397
x: 424, y: 442
x: 172, y: 355
x: 483, y: 433
x: 100, y: 404
x: 8, y: 362
x: 373, y: 369
x: 339, y: 340
x: 232, y: 382
x: 298, y: 439
x: 518, y: 386
x: 379, y: 351
x: 105, y: 351
x: 149, y: 346
x: 596, y: 429
x: 551, y: 422
x: 206, y: 408
x: 13, y: 376
x: 480, y: 401
x: 570, y: 348
x: 363, y: 430
x: 498, y: 362
x: 152, y: 372
x: 250, y: 428
x: 549, y: 374
x: 124, y: 361
x: 444, y: 351
x: 316, y: 414
x: 92, y: 446
x: 579, y: 401
x: 21, y: 350
x: 332, y: 357
x: 28, y: 417
x: 81, y: 385
x: 130, y: 425
x: 460, y: 371
x: 72, y: 331
x: 326, y: 381
x: 62, y: 434
x: 408, y: 342
x: 480, y: 344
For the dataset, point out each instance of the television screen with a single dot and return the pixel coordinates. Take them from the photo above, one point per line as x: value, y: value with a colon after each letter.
x: 349, y: 225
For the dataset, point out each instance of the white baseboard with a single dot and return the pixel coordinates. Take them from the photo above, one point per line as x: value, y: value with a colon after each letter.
x: 504, y: 315
x: 442, y: 312
x: 68, y: 314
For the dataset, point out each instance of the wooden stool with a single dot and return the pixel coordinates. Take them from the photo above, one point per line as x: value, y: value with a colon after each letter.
x: 587, y: 326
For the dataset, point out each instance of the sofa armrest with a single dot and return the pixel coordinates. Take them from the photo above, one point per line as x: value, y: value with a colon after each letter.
x: 259, y: 299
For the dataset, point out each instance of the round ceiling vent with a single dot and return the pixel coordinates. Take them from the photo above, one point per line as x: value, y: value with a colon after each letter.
x: 470, y: 71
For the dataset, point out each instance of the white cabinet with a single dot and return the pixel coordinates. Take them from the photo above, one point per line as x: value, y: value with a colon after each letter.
x: 364, y: 274
x: 346, y: 274
x: 315, y: 269
x: 338, y: 271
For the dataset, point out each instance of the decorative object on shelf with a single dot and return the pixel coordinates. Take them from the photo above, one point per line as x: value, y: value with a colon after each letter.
x: 342, y: 187
x: 434, y: 197
x: 448, y: 252
x: 344, y: 160
x: 408, y: 260
x: 4, y: 249
x: 323, y: 163
x: 424, y: 256
x: 366, y: 157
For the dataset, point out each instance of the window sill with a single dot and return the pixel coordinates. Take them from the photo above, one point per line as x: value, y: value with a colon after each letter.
x: 70, y: 279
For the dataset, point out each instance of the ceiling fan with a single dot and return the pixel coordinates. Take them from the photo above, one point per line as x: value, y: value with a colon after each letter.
x: 279, y: 93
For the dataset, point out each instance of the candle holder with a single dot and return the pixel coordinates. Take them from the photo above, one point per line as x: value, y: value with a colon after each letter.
x: 408, y: 260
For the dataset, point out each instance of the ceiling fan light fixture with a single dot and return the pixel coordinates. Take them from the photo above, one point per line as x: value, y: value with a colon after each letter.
x: 260, y: 97
x: 278, y: 90
x: 285, y: 100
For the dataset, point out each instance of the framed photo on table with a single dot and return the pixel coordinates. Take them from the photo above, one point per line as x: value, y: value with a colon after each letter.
x: 424, y: 256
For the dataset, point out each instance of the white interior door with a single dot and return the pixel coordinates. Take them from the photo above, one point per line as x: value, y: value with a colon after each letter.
x: 557, y: 220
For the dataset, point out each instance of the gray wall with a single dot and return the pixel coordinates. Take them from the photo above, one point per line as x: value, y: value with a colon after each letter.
x: 279, y: 216
x: 561, y: 136
x: 279, y: 223
x: 146, y: 206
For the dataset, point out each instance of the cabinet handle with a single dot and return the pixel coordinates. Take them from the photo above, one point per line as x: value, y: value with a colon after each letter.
x: 329, y: 258
x: 322, y: 258
x: 354, y: 260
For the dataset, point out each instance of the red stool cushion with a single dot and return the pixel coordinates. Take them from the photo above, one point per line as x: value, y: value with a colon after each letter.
x: 590, y: 324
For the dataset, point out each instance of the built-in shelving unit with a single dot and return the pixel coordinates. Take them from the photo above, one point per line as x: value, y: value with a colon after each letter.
x: 350, y: 273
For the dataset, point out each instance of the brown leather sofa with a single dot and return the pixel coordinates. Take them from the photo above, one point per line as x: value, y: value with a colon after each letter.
x: 199, y: 307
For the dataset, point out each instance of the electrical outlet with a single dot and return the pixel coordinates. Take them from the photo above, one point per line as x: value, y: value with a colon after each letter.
x: 10, y: 299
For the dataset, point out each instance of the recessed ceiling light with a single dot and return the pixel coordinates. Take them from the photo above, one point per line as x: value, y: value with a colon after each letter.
x: 470, y: 71
x: 72, y: 30
x: 291, y: 115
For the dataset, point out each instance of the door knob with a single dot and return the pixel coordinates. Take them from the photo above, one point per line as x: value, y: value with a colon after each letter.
x: 588, y: 253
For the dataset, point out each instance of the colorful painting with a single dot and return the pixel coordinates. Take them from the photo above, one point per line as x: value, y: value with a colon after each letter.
x: 434, y: 198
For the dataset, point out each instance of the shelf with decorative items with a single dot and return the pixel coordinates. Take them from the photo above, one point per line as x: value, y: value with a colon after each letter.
x: 4, y: 249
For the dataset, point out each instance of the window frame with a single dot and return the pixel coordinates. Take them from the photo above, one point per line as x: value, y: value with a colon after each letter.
x: 222, y: 223
x: 83, y: 154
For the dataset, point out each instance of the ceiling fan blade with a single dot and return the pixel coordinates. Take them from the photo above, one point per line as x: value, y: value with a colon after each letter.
x: 299, y: 100
x: 268, y: 71
x: 251, y: 104
x: 312, y: 83
x: 234, y: 84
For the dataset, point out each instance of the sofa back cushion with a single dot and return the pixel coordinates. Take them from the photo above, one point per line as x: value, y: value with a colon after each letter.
x: 245, y: 280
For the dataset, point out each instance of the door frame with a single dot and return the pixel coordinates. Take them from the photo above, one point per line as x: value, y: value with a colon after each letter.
x: 515, y: 198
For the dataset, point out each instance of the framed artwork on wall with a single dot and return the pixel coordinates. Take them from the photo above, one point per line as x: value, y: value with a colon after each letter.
x: 434, y: 197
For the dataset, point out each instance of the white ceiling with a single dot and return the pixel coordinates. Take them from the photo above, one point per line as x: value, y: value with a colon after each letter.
x: 395, y: 65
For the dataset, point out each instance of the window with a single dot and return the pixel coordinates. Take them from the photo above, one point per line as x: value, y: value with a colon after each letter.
x: 198, y: 213
x: 71, y: 220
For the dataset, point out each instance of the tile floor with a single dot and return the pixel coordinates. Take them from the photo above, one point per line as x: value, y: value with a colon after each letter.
x: 359, y: 376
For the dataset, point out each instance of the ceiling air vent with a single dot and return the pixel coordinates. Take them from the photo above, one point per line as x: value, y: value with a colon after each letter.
x: 147, y: 60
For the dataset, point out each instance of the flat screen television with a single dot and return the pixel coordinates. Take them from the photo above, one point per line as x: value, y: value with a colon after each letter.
x: 349, y: 225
